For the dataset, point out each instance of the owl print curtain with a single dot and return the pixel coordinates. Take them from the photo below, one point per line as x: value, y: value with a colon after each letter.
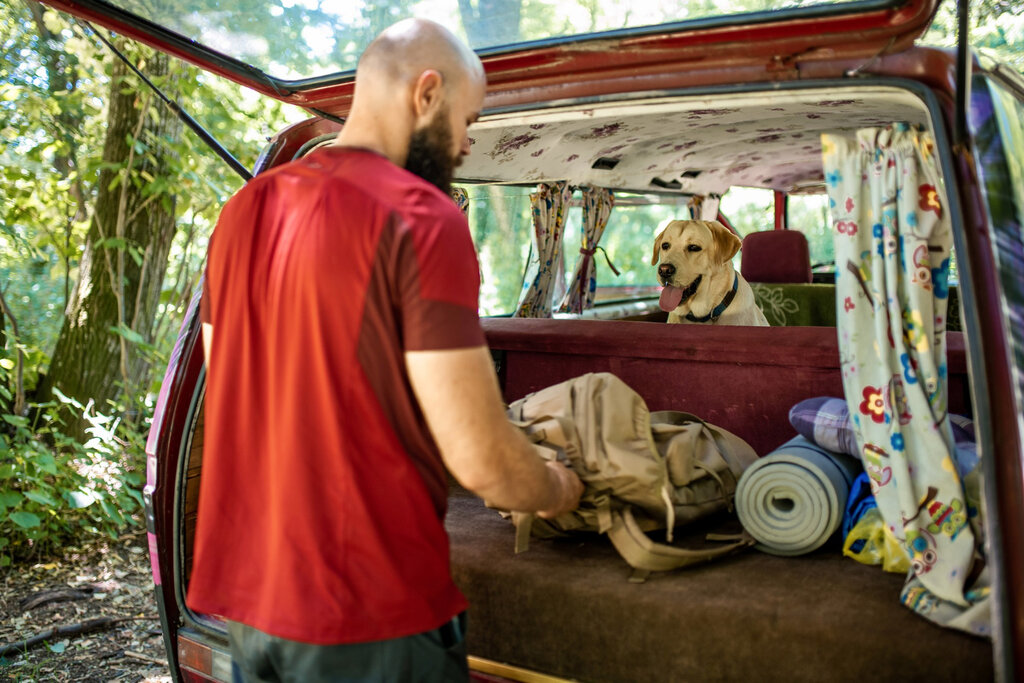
x: 597, y: 207
x: 893, y: 240
x: 550, y: 205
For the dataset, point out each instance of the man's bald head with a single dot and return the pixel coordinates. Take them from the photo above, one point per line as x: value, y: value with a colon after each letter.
x: 418, y: 89
x: 405, y: 50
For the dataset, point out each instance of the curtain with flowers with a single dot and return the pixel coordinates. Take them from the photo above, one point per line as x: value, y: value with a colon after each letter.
x: 461, y: 199
x: 549, y: 205
x: 597, y: 207
x: 893, y: 238
x: 704, y: 208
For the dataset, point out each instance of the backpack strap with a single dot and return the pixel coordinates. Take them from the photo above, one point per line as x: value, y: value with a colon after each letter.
x: 645, y: 555
x: 549, y: 433
x: 523, y: 522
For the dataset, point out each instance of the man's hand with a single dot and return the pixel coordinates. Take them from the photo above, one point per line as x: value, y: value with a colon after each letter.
x: 458, y: 393
x: 569, y: 488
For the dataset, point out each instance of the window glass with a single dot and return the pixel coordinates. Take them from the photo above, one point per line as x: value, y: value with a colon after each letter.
x: 500, y: 223
x: 298, y: 39
x: 753, y: 210
x: 997, y: 116
x: 629, y: 242
x: 749, y: 209
x: 808, y: 213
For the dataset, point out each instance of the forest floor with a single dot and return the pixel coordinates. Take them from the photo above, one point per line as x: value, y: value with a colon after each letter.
x: 103, y: 579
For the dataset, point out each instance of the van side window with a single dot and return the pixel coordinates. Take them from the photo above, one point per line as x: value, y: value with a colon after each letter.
x: 997, y: 116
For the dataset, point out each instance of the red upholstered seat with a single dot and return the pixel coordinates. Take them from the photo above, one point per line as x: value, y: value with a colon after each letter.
x: 775, y: 256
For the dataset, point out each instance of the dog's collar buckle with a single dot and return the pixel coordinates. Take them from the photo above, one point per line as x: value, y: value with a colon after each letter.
x: 720, y: 308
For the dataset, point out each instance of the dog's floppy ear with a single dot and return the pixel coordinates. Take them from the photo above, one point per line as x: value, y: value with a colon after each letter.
x: 657, y: 245
x: 726, y: 241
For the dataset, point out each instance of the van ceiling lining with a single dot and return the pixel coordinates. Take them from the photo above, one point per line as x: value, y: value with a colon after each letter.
x: 691, y: 145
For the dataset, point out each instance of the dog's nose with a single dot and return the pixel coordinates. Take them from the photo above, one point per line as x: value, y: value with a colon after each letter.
x: 666, y: 270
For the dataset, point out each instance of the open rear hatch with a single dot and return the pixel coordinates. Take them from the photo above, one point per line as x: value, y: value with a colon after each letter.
x: 306, y: 54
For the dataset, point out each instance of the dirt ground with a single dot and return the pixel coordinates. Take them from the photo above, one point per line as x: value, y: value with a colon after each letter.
x: 106, y: 579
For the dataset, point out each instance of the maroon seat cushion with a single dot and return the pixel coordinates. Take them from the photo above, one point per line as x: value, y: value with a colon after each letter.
x: 776, y: 256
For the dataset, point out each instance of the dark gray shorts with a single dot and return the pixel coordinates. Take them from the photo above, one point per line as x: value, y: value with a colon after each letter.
x: 437, y: 656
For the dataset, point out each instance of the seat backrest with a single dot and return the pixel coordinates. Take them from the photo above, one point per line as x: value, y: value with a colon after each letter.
x: 775, y: 256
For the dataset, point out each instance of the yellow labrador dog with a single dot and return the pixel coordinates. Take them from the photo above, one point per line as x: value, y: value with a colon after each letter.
x: 701, y: 286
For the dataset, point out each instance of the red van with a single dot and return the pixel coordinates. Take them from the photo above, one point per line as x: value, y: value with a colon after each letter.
x: 672, y: 108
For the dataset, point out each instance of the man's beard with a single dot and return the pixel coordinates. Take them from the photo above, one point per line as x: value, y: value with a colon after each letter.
x: 430, y: 154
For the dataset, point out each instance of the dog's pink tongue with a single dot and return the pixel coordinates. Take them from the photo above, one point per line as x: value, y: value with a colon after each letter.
x: 670, y: 299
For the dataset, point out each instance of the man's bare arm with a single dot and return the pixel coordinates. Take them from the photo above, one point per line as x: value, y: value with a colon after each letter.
x: 459, y: 395
x: 207, y: 343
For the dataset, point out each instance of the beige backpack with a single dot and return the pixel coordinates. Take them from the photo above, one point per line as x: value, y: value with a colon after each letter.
x: 641, y: 470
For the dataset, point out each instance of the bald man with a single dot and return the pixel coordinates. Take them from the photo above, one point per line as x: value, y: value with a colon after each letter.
x: 348, y: 371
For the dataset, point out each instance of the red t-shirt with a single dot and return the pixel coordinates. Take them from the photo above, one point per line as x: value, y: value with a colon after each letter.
x: 323, y: 493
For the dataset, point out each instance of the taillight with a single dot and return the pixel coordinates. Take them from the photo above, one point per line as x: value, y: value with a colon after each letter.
x: 200, y: 662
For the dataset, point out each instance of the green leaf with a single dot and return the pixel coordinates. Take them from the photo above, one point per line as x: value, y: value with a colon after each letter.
x: 58, y: 647
x: 40, y: 497
x: 128, y: 333
x: 111, y: 511
x: 112, y: 243
x: 81, y: 498
x: 7, y: 471
x: 46, y: 463
x: 135, y: 478
x: 136, y: 496
x: 24, y: 519
x: 10, y: 498
x: 67, y: 399
x: 16, y: 420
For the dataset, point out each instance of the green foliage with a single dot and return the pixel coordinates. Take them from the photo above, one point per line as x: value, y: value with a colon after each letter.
x: 997, y: 27
x: 54, y: 490
x: 54, y: 86
x: 629, y: 241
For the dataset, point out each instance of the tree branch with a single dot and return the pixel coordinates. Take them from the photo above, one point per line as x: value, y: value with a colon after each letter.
x: 80, y: 628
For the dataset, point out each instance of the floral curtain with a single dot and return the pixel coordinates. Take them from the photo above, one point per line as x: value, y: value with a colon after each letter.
x: 550, y: 205
x: 597, y: 207
x: 461, y: 199
x: 893, y: 238
x: 704, y: 208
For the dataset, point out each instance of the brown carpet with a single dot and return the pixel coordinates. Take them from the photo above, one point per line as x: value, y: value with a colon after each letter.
x: 566, y: 608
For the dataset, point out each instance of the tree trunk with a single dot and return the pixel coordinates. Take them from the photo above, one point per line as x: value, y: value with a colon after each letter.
x: 122, y: 266
x: 61, y: 79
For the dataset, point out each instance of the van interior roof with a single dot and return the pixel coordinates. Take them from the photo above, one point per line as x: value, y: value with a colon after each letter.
x: 682, y: 145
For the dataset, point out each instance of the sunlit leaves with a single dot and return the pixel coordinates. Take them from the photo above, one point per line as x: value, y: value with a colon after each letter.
x: 26, y: 520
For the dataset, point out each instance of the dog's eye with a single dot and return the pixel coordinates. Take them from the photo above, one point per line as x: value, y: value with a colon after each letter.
x: 693, y: 247
x: 665, y: 245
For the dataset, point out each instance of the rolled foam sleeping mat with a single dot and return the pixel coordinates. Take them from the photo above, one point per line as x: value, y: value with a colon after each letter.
x: 793, y: 499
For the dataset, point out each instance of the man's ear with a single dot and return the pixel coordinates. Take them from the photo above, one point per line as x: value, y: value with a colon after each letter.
x: 427, y: 95
x: 726, y: 241
x: 657, y: 247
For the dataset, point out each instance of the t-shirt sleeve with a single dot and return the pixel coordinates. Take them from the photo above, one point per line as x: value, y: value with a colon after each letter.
x: 439, y: 280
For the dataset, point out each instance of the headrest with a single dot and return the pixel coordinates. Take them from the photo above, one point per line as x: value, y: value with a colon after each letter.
x: 775, y: 256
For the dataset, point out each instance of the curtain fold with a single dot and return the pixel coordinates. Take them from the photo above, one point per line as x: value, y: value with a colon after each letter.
x: 461, y: 199
x: 597, y: 207
x: 549, y: 206
x: 704, y: 208
x: 893, y: 239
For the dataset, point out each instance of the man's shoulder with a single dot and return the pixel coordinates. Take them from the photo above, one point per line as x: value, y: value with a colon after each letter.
x: 343, y: 173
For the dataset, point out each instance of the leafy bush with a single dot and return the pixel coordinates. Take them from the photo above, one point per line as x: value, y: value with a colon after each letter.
x: 54, y: 490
